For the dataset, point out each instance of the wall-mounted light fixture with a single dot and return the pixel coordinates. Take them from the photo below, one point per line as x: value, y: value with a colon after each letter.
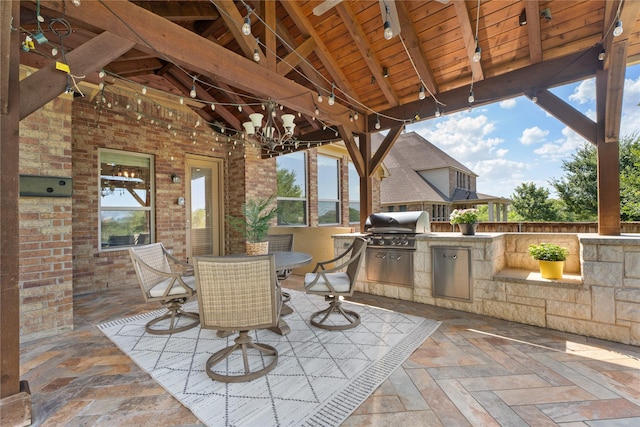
x: 175, y: 178
x: 522, y: 20
x: 546, y: 14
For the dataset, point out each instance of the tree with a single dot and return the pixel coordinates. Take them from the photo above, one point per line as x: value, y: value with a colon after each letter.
x: 579, y: 188
x: 532, y: 203
x: 289, y: 211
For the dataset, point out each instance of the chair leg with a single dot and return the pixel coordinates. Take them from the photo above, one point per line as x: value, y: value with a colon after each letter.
x: 174, y: 312
x: 242, y: 342
x: 335, y: 306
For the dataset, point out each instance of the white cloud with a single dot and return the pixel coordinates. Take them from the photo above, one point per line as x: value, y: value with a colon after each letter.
x: 562, y: 148
x: 508, y: 104
x: 630, y: 122
x: 533, y: 135
x: 585, y: 92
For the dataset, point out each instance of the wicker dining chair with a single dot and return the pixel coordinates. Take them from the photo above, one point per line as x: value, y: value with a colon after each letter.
x: 160, y: 283
x: 335, y: 284
x: 239, y: 294
x: 281, y: 243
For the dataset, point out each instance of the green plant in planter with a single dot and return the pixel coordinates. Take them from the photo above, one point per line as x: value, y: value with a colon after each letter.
x: 254, y: 225
x: 548, y: 252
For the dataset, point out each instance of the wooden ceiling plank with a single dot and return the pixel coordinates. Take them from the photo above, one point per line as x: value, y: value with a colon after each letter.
x: 181, y: 11
x: 469, y: 37
x: 181, y: 46
x: 304, y: 26
x: 367, y: 52
x: 532, y: 9
x: 416, y: 52
x: 47, y: 83
x: 568, y: 115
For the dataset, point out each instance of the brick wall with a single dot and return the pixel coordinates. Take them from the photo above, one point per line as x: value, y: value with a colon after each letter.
x: 46, y: 287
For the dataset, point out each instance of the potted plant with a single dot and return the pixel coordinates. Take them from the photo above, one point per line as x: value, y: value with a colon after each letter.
x: 254, y: 224
x: 551, y: 258
x: 466, y: 219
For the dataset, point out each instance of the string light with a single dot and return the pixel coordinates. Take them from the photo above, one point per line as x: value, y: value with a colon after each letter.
x: 471, y: 97
x: 421, y: 94
x: 478, y: 53
x: 437, y: 111
x: 332, y: 97
x: 388, y: 31
x: 193, y: 92
x: 618, y: 28
x: 377, y: 121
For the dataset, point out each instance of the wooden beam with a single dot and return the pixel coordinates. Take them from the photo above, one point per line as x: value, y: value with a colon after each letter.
x: 181, y: 46
x: 564, y: 112
x: 384, y: 148
x: 366, y: 182
x: 547, y: 74
x: 47, y: 83
x: 269, y: 33
x: 306, y: 28
x: 352, y: 148
x: 468, y: 34
x: 608, y: 165
x: 532, y: 9
x: 415, y: 49
x: 234, y: 20
x: 615, y: 89
x: 367, y: 52
x: 9, y: 189
x: 296, y: 57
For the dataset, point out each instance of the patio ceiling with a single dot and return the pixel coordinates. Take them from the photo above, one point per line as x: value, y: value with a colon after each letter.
x: 311, y: 47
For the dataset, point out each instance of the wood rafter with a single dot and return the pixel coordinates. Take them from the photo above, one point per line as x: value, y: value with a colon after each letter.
x: 269, y: 35
x: 234, y: 20
x: 532, y: 9
x: 352, y: 148
x: 415, y: 49
x: 47, y: 83
x: 181, y: 46
x: 367, y: 51
x: 384, y: 149
x: 340, y: 80
x: 468, y: 34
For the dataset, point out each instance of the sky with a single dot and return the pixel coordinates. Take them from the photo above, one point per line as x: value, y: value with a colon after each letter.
x: 516, y: 141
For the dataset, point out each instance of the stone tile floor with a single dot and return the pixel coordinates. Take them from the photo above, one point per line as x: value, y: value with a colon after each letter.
x: 473, y: 371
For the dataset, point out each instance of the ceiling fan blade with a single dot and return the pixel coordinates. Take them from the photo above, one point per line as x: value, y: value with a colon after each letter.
x: 324, y: 6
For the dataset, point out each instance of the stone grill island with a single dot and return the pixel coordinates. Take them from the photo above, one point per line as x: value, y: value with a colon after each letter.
x: 598, y: 295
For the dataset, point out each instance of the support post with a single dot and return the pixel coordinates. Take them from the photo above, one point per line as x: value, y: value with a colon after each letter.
x: 366, y: 190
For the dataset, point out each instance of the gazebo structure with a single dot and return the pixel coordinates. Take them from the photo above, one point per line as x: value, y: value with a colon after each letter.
x: 338, y: 70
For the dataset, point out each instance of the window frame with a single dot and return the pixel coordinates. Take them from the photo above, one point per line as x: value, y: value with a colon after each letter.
x: 152, y: 194
x: 338, y: 201
x: 304, y: 199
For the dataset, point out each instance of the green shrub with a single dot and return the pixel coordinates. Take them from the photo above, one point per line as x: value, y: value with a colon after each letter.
x: 548, y: 252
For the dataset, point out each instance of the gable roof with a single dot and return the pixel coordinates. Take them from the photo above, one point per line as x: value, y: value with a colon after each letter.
x: 410, y: 155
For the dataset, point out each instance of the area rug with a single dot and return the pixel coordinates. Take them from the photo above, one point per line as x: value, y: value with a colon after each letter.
x: 321, y: 377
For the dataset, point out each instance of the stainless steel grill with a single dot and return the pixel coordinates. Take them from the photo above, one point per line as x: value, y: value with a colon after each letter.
x: 391, y: 245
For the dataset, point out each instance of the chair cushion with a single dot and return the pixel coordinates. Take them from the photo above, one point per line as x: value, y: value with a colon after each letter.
x: 177, y: 289
x: 340, y: 282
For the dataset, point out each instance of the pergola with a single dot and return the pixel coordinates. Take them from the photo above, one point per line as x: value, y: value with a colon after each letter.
x: 311, y: 48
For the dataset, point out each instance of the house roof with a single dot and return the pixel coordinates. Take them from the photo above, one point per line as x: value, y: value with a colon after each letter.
x: 410, y: 155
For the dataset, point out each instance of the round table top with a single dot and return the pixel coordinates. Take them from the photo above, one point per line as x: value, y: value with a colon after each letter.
x: 291, y: 260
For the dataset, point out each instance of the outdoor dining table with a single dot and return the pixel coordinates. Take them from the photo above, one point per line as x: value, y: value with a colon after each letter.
x: 288, y: 261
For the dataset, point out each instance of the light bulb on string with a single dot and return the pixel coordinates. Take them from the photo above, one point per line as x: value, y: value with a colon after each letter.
x: 246, y: 27
x: 437, y: 114
x: 471, y: 97
x: 477, y: 55
x: 54, y: 51
x: 377, y: 122
x: 144, y: 90
x: 256, y: 55
x: 421, y: 94
x: 618, y: 28
x: 181, y: 101
x: 319, y: 97
x: 101, y: 74
x: 388, y: 32
x: 193, y: 92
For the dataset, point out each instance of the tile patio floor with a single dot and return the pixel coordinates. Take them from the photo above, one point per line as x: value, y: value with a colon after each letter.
x: 473, y: 371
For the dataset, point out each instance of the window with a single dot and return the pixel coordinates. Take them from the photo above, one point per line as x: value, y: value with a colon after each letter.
x: 328, y: 190
x: 292, y: 189
x: 354, y: 194
x: 126, y: 199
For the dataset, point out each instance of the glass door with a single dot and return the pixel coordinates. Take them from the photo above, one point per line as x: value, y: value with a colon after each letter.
x: 205, y: 209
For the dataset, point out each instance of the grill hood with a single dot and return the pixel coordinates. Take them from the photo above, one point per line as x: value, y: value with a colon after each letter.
x: 398, y: 222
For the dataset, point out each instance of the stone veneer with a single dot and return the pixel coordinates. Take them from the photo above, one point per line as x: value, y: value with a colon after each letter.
x: 598, y: 296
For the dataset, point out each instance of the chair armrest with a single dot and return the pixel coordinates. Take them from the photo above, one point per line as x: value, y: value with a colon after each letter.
x: 187, y: 268
x: 176, y: 276
x: 321, y: 264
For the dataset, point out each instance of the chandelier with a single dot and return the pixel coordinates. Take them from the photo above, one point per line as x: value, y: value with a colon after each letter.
x: 271, y: 136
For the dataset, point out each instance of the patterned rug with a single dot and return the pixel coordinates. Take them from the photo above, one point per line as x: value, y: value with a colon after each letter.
x: 321, y: 377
